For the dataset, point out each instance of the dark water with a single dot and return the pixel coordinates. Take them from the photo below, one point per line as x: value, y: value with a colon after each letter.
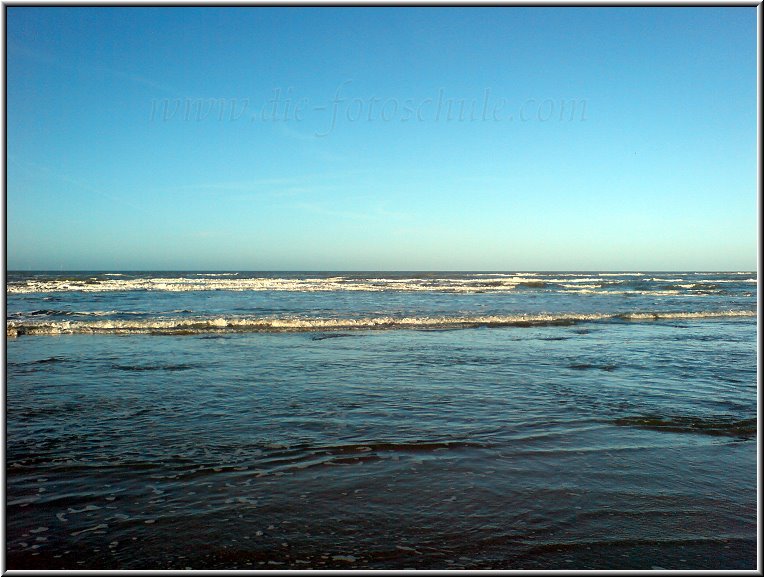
x: 619, y: 431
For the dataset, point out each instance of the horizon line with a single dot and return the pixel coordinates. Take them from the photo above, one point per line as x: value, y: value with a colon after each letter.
x: 380, y: 270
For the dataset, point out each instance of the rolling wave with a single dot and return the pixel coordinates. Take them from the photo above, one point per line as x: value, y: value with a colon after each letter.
x: 200, y: 325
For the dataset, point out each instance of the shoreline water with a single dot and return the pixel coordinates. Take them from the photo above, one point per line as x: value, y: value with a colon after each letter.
x: 604, y: 444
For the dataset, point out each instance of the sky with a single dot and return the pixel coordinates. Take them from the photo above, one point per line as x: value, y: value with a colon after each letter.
x: 503, y: 138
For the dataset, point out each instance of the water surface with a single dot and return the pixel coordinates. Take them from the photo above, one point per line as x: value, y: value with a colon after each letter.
x: 438, y: 420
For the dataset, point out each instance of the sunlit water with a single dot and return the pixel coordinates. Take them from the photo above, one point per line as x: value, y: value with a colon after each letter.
x: 231, y: 425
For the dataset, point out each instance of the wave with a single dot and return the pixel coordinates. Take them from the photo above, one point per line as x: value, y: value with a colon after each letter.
x: 177, y: 367
x: 719, y: 426
x: 581, y: 286
x: 657, y: 293
x: 283, y: 458
x: 201, y: 325
x: 479, y: 283
x: 182, y: 284
x: 323, y: 337
x: 500, y: 274
x: 64, y: 313
x: 730, y: 280
x: 587, y: 366
x: 44, y: 361
x: 604, y: 283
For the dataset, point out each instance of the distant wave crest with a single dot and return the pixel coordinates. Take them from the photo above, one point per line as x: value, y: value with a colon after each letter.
x: 602, y: 283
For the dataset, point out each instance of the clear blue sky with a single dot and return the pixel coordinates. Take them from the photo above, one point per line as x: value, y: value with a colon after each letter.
x: 654, y: 169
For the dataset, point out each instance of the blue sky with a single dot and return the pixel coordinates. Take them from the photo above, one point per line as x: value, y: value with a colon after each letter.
x: 381, y: 138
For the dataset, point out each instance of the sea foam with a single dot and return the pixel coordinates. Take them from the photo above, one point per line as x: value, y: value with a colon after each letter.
x: 200, y: 325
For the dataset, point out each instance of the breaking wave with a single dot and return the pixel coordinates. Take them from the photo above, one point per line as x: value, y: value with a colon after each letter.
x: 200, y: 325
x: 485, y: 282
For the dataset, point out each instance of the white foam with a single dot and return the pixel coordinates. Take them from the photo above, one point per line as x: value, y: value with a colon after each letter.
x: 500, y: 274
x: 298, y: 324
x: 687, y: 315
x: 182, y: 284
x: 485, y: 282
x: 581, y: 286
x: 586, y: 291
x: 715, y: 280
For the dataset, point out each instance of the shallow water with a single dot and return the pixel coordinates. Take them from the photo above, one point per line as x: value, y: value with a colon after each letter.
x: 614, y: 442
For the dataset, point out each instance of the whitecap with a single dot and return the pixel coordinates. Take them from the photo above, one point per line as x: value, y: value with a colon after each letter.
x: 200, y: 325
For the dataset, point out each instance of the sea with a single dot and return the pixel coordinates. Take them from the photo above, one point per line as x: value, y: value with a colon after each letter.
x: 381, y: 420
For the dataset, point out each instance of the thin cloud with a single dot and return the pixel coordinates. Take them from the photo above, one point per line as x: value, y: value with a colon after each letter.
x: 36, y: 168
x: 279, y: 186
x: 292, y: 134
x: 377, y: 214
x: 48, y: 59
x: 309, y: 143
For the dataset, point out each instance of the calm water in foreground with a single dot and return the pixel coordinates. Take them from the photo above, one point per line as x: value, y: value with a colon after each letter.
x: 381, y: 420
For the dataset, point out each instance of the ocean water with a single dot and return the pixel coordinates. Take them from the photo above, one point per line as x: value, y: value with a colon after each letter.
x: 381, y: 420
